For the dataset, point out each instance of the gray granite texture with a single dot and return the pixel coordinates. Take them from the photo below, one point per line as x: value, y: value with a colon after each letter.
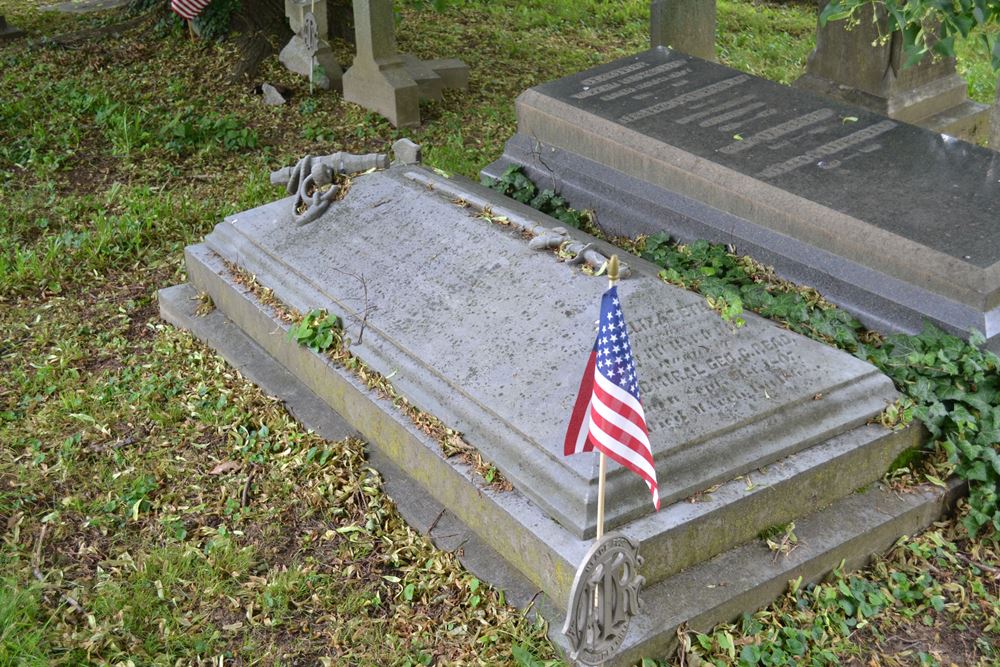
x: 893, y: 221
x: 297, y: 58
x: 687, y: 26
x: 492, y: 337
x: 857, y: 65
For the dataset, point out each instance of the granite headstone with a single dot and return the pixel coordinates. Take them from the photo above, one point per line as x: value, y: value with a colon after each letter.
x: 896, y: 222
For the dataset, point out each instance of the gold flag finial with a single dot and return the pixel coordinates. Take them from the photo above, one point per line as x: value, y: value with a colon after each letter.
x: 613, y: 269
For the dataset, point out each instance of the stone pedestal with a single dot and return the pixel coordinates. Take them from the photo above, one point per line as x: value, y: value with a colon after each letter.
x: 8, y: 31
x: 687, y: 26
x: 846, y: 66
x: 390, y: 83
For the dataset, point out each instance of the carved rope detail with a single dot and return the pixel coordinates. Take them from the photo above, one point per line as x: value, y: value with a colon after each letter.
x: 543, y: 238
x: 313, y: 180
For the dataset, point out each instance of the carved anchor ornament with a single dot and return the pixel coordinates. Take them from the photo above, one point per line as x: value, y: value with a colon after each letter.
x: 313, y: 180
x: 604, y: 598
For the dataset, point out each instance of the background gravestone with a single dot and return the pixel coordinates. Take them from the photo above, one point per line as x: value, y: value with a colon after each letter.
x: 8, y: 31
x: 687, y: 26
x: 391, y: 83
x: 308, y: 53
x: 856, y: 66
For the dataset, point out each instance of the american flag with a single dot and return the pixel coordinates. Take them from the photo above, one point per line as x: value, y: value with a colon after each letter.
x: 188, y: 9
x: 608, y: 413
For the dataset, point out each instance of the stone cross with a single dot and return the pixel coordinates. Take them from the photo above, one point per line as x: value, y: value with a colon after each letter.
x: 391, y: 83
x: 687, y: 26
x: 857, y: 66
x: 308, y: 52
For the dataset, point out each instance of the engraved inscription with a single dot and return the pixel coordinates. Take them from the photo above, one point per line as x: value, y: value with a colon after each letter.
x: 645, y: 84
x: 686, y: 373
x: 777, y: 131
x: 614, y: 74
x: 712, y: 122
x: 680, y: 100
x: 718, y: 108
x: 826, y: 149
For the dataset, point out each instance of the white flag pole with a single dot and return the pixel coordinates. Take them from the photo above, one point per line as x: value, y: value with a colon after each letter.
x: 612, y: 281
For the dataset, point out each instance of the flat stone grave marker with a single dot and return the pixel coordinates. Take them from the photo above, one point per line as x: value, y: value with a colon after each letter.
x: 895, y: 222
x: 492, y: 337
x: 441, y: 293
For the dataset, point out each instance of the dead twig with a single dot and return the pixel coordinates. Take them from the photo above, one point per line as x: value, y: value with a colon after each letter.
x: 245, y: 496
x: 36, y: 559
x: 995, y: 571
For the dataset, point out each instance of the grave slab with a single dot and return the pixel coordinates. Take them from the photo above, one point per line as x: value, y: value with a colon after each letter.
x: 894, y: 222
x: 7, y: 31
x: 507, y: 325
x: 718, y: 590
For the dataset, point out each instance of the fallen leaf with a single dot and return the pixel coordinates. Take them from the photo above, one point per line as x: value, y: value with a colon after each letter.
x: 225, y: 467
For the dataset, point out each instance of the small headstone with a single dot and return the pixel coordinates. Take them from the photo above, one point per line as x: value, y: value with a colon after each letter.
x: 687, y: 26
x: 895, y: 222
x: 855, y: 64
x: 391, y: 83
x: 308, y: 53
x: 271, y: 95
x: 8, y: 31
x: 405, y: 151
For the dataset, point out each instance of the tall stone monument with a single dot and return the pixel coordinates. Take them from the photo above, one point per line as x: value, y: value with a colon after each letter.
x: 856, y: 65
x: 391, y: 83
x: 687, y: 26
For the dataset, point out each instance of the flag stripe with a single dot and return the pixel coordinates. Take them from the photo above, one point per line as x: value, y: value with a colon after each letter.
x: 632, y: 425
x: 610, y: 444
x: 188, y: 9
x: 608, y: 414
x: 576, y: 435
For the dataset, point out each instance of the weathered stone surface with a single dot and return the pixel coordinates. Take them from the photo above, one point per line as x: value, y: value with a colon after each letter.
x: 687, y: 26
x: 405, y: 151
x: 492, y: 337
x: 893, y: 221
x: 296, y: 11
x: 856, y: 65
x: 717, y: 590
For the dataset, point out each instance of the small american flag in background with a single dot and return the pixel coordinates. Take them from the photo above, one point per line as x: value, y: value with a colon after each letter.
x: 188, y: 9
x: 608, y: 414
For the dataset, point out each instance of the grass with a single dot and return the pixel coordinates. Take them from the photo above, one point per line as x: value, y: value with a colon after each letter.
x: 187, y: 516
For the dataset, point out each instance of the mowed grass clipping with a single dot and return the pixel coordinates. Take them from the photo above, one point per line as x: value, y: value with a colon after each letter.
x: 157, y: 509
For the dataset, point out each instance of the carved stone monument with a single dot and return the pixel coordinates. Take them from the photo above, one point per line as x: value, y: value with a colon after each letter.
x: 855, y: 65
x: 473, y: 321
x: 687, y: 26
x: 390, y: 83
x: 308, y: 53
x: 896, y: 223
x: 8, y: 31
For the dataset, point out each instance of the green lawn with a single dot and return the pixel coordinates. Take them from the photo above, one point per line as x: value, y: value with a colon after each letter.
x: 157, y: 509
